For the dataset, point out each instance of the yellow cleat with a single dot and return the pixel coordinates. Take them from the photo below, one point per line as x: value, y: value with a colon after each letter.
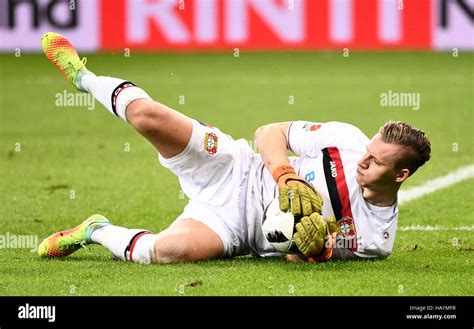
x: 61, y: 53
x: 64, y: 243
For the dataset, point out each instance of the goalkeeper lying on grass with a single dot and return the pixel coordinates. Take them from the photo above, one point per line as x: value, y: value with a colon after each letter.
x: 339, y: 175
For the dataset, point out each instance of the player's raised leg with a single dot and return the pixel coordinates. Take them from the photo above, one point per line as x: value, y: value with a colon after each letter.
x: 168, y: 130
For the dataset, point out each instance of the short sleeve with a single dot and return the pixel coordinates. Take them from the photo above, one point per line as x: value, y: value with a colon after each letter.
x: 309, y: 138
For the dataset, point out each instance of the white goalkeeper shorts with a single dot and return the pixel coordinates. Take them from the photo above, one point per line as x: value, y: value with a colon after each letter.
x: 213, y: 171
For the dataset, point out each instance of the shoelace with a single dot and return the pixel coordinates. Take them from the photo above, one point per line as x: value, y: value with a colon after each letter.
x: 68, y: 65
x: 82, y: 244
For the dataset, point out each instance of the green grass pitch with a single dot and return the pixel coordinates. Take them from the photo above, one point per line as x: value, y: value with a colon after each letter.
x: 61, y: 164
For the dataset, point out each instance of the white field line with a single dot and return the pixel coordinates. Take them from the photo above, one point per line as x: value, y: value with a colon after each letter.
x: 433, y: 186
x: 436, y: 184
x: 436, y: 228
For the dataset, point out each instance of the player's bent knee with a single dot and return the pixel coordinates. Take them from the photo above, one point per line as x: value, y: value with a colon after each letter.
x: 146, y: 115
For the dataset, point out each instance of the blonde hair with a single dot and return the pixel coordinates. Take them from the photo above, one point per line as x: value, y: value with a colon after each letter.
x: 413, y: 139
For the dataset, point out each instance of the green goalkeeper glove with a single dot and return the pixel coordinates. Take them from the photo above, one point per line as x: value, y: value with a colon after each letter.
x: 314, y: 237
x: 296, y: 194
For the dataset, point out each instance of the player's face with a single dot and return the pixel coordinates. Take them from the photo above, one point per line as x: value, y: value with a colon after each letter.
x: 376, y: 169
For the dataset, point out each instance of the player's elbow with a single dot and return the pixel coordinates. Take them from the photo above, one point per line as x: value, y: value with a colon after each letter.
x: 269, y: 132
x: 261, y: 132
x: 261, y: 129
x: 258, y: 132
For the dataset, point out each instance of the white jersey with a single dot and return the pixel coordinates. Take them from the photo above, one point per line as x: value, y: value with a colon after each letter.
x: 327, y: 157
x: 229, y: 187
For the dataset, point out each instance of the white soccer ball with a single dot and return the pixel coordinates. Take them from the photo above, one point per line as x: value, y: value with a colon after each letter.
x: 278, y: 228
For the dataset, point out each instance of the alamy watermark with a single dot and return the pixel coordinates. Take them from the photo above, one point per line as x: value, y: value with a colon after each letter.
x: 340, y: 242
x: 15, y: 241
x: 37, y: 312
x: 67, y: 99
x: 395, y: 99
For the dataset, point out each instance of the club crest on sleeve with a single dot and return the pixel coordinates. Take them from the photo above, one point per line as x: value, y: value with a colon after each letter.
x: 210, y: 143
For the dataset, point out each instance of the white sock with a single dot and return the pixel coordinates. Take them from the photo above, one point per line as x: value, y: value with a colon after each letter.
x: 115, y: 94
x: 143, y: 251
x: 127, y: 244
